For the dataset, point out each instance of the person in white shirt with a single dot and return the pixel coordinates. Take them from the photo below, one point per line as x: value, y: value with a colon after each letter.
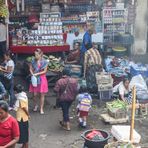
x: 3, y: 34
x: 124, y: 89
x: 7, y: 78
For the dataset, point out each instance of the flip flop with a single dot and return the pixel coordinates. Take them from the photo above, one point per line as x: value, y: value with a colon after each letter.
x: 62, y: 125
x: 66, y: 129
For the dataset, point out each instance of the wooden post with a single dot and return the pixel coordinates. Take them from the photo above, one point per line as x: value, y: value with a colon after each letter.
x: 7, y: 28
x: 133, y: 113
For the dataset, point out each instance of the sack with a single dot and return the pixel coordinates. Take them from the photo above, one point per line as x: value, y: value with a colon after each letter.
x: 34, y: 81
x: 85, y: 104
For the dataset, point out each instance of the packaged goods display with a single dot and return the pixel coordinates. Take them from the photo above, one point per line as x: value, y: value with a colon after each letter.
x: 114, y: 22
x: 48, y: 32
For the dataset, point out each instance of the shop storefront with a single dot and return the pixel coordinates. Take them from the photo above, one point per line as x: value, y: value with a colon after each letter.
x: 58, y: 24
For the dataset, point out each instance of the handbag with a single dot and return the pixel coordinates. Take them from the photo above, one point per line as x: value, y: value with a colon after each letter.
x: 64, y: 96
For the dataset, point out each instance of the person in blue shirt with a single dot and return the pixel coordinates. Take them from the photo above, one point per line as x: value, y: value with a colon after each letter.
x: 87, y: 42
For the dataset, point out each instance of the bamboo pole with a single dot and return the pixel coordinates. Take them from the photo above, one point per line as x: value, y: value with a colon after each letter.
x: 133, y: 113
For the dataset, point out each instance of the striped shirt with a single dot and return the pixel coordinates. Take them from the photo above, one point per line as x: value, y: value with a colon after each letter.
x: 9, y: 63
x: 91, y: 57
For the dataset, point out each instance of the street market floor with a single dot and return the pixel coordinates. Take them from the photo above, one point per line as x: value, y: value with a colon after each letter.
x: 45, y: 131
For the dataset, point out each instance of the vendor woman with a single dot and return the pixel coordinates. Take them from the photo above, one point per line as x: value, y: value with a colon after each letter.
x: 74, y: 55
x: 125, y: 91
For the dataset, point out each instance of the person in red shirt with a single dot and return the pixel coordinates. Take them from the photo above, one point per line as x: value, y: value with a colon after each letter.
x: 9, y: 129
x: 74, y: 55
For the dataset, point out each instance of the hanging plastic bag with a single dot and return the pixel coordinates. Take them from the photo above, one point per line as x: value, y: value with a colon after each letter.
x: 34, y: 81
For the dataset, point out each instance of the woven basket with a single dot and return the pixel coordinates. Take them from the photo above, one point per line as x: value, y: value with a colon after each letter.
x: 117, y: 145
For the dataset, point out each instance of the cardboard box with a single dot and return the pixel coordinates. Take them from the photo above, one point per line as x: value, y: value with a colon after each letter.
x: 122, y: 133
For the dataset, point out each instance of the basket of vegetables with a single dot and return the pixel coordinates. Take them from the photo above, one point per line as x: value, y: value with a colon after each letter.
x: 117, y: 109
x: 119, y: 145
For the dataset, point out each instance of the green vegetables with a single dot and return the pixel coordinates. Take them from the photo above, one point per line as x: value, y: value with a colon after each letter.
x: 125, y: 146
x: 29, y: 59
x: 54, y: 64
x: 116, y: 104
x: 4, y: 12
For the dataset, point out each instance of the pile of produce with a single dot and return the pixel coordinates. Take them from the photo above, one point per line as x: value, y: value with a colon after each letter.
x: 117, y: 109
x: 117, y: 104
x: 119, y: 145
x: 4, y: 12
x: 54, y: 64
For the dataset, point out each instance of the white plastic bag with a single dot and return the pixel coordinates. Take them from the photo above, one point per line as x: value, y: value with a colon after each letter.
x: 34, y: 81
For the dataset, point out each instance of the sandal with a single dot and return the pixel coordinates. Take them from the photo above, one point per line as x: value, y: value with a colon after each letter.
x: 42, y: 112
x: 61, y: 123
x: 67, y: 129
x: 63, y: 126
x: 35, y: 108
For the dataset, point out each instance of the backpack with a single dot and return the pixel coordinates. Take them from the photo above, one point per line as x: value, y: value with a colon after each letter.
x: 85, y: 103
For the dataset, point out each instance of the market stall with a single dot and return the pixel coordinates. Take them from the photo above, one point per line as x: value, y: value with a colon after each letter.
x: 45, y: 49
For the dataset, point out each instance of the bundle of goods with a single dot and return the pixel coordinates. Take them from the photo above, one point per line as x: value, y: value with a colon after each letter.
x: 82, y: 83
x: 54, y: 64
x: 4, y: 12
x: 117, y: 109
x: 104, y: 81
x: 74, y: 70
x: 137, y: 69
x: 94, y: 135
x: 119, y: 145
x: 117, y: 66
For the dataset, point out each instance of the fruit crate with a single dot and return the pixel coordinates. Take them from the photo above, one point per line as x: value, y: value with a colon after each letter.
x: 116, y: 113
x: 103, y: 78
x: 105, y: 87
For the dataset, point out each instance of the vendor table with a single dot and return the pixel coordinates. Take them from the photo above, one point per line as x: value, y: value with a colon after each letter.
x: 45, y: 49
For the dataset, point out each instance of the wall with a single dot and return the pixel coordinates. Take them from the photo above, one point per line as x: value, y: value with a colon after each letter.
x: 96, y: 38
x: 140, y: 45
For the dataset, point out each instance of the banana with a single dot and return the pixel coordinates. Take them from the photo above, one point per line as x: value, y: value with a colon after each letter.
x: 4, y: 12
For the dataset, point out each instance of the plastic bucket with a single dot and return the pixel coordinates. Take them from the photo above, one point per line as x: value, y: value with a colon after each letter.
x: 96, y: 143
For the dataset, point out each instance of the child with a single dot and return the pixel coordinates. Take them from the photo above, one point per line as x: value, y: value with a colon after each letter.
x: 84, y: 106
x: 22, y: 114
